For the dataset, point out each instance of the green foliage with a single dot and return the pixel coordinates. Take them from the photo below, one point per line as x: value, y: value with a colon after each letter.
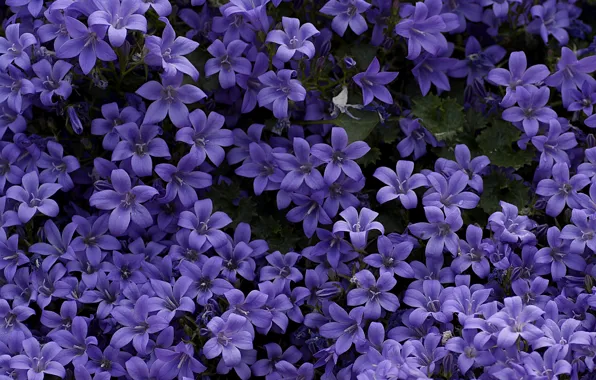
x: 444, y: 117
x: 497, y: 142
x: 357, y: 129
x: 370, y: 158
x: 498, y: 187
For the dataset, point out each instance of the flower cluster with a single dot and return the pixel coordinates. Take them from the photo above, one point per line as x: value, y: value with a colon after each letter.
x: 289, y: 189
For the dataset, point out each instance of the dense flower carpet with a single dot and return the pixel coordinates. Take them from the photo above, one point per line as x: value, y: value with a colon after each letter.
x: 297, y: 189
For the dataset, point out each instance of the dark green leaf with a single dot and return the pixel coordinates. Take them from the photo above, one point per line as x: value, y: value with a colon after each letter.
x: 357, y: 129
x: 497, y: 142
x: 371, y: 157
x: 443, y: 117
x: 498, y: 187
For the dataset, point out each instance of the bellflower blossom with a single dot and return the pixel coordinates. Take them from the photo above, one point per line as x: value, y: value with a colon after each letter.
x: 549, y: 19
x: 518, y: 75
x: 34, y: 197
x: 440, y: 232
x: 375, y: 293
x: 125, y: 202
x: 169, y: 97
x: 87, y: 43
x: 531, y: 110
x: 358, y: 225
x: 346, y: 13
x: 400, y: 184
x: 346, y: 328
x: 561, y: 190
x: 140, y: 144
x: 119, y: 16
x: 277, y: 89
x: 373, y: 82
x: 168, y: 52
x: 51, y: 80
x: 13, y: 47
x: 293, y: 39
x: 571, y: 73
x: 227, y: 62
x: 38, y: 360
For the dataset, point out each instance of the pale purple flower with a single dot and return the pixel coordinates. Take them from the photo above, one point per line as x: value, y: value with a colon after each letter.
x: 227, y: 62
x: 345, y: 328
x: 373, y: 82
x: 561, y: 190
x: 277, y: 89
x: 358, y: 225
x: 531, y: 110
x: 34, y: 197
x: 515, y: 321
x: 374, y: 293
x: 140, y: 144
x: 440, y: 231
x: 294, y: 38
x: 346, y: 12
x: 13, y: 47
x: 119, y: 16
x: 38, y: 360
x: 204, y: 224
x: 169, y: 97
x: 229, y: 336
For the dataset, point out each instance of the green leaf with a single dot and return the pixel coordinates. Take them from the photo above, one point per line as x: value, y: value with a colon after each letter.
x: 371, y: 157
x: 357, y: 129
x: 497, y: 143
x: 498, y: 187
x: 364, y: 54
x: 443, y: 117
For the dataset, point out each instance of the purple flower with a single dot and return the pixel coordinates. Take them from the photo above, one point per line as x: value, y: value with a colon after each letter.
x: 373, y: 82
x: 449, y: 193
x: 346, y: 12
x: 281, y: 268
x: 113, y: 117
x: 345, y: 328
x: 13, y: 87
x: 179, y: 362
x: 229, y: 336
x: 518, y: 76
x: 140, y: 144
x: 561, y: 190
x: 309, y: 209
x: 300, y: 167
x: 478, y: 62
x: 358, y: 225
x: 515, y: 320
x: 391, y: 257
x: 250, y: 307
x: 554, y: 145
x: 204, y: 225
x: 251, y: 83
x: 12, y: 256
x: 375, y: 293
x: 277, y: 89
x: 38, y: 360
x: 470, y: 352
x: 510, y: 227
x: 293, y: 39
x: 558, y: 254
x: 237, y: 260
x: 416, y: 138
x: 571, y: 73
x: 87, y: 43
x: 183, y: 180
x: 168, y: 52
x: 137, y: 324
x: 584, y: 101
x: 441, y: 231
x: 13, y: 47
x: 227, y: 62
x: 34, y: 198
x: 93, y: 238
x: 275, y: 355
x: 163, y: 8
x: 581, y: 233
x: 400, y: 184
x: 51, y: 80
x: 206, y: 136
x: 125, y: 201
x: 549, y: 19
x: 170, y: 301
x: 340, y: 156
x: 119, y: 17
x: 532, y: 109
x: 57, y: 166
x: 169, y: 98
x: 432, y: 69
x: 59, y: 243
x: 427, y: 301
x: 74, y: 342
x: 204, y: 279
x: 423, y: 30
x: 13, y: 318
x: 473, y: 253
x: 262, y: 166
